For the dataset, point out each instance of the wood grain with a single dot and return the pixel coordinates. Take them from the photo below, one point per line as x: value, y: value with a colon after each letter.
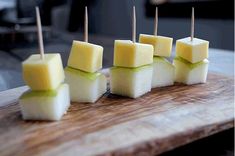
x: 157, y: 122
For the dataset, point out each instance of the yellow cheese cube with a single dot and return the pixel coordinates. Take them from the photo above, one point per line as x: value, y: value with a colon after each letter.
x: 162, y: 45
x: 86, y: 56
x: 192, y: 51
x: 43, y: 74
x: 129, y: 54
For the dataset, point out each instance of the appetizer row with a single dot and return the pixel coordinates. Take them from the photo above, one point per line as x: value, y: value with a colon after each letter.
x: 138, y: 67
x: 144, y: 65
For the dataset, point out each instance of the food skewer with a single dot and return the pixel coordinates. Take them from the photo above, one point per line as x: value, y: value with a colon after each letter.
x: 132, y: 60
x: 82, y: 74
x: 163, y: 70
x: 48, y: 97
x: 191, y: 63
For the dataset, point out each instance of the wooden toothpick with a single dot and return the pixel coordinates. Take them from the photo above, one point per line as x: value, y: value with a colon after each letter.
x: 86, y: 25
x: 192, y: 24
x: 156, y: 22
x: 40, y: 38
x: 134, y: 25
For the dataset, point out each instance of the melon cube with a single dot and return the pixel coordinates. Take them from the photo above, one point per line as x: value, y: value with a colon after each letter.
x: 85, y: 56
x: 162, y: 45
x: 190, y: 73
x: 129, y: 54
x: 43, y: 74
x: 163, y: 72
x: 45, y: 105
x: 131, y: 82
x: 192, y: 51
x: 84, y: 86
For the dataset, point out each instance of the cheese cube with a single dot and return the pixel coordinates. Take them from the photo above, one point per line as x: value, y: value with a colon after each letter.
x: 43, y: 74
x: 162, y: 45
x: 190, y: 73
x: 85, y: 87
x: 85, y: 56
x: 131, y: 82
x: 129, y: 54
x: 45, y: 105
x: 192, y: 51
x: 163, y: 72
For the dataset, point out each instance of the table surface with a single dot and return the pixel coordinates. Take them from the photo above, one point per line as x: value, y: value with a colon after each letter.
x: 159, y: 121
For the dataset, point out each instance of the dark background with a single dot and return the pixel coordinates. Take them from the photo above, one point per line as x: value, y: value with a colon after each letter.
x: 214, y: 18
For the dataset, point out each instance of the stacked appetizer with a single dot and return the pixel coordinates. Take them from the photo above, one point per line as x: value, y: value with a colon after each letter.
x: 85, y: 60
x: 191, y: 64
x: 48, y: 97
x: 163, y: 70
x: 131, y: 75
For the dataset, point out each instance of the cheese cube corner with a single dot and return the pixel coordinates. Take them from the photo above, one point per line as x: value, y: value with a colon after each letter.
x: 129, y: 54
x: 131, y: 82
x: 190, y: 73
x: 192, y: 51
x: 45, y: 105
x: 43, y: 74
x: 162, y: 45
x: 84, y: 86
x: 163, y: 72
x: 85, y: 56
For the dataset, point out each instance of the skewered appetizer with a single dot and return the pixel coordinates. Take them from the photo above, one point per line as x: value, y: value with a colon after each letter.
x: 82, y: 74
x: 163, y: 70
x: 131, y: 75
x: 191, y: 59
x: 48, y: 97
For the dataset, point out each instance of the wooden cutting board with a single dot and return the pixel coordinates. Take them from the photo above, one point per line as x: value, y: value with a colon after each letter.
x: 157, y: 122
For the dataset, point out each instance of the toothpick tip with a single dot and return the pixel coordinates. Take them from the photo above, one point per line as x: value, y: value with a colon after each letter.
x: 134, y: 9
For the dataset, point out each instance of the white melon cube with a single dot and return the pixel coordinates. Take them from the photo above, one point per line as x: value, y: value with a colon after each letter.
x: 163, y: 72
x: 131, y: 82
x: 45, y: 105
x: 84, y: 86
x: 190, y: 73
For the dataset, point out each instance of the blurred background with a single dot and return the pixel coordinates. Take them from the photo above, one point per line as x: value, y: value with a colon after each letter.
x: 108, y: 20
